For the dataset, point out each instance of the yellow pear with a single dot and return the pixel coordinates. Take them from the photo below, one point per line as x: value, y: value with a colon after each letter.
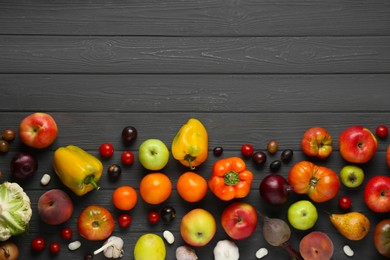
x: 149, y: 247
x: 352, y: 225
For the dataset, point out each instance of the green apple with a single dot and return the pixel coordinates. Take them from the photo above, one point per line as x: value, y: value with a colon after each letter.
x: 352, y: 176
x: 149, y: 246
x: 198, y: 227
x: 302, y: 215
x: 153, y: 154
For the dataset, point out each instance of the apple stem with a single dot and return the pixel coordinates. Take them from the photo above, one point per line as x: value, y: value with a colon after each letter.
x: 295, y: 255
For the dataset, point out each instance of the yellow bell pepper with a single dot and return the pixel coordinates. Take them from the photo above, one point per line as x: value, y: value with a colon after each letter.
x: 190, y: 145
x: 77, y: 169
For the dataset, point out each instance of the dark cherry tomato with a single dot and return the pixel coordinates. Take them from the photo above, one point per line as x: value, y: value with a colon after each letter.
x: 153, y: 217
x: 259, y: 158
x: 127, y: 158
x: 247, y: 150
x: 66, y: 233
x: 38, y: 244
x: 345, y: 202
x: 275, y: 165
x: 124, y: 220
x: 8, y: 134
x: 168, y: 214
x: 106, y: 150
x: 55, y: 248
x: 218, y: 151
x: 286, y: 155
x: 129, y: 134
x: 114, y: 171
x: 382, y: 131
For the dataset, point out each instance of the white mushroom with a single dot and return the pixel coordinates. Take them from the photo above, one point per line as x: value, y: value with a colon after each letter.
x: 226, y: 250
x: 113, y: 248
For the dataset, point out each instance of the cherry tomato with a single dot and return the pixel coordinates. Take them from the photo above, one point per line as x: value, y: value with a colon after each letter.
x: 55, y: 248
x: 127, y: 158
x: 382, y: 131
x: 106, y: 150
x: 38, y: 244
x: 218, y: 151
x: 8, y: 134
x: 247, y: 150
x: 66, y: 233
x: 345, y: 202
x: 124, y: 220
x: 153, y: 217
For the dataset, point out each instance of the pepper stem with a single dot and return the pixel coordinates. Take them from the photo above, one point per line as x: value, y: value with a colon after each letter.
x: 189, y: 159
x: 90, y: 179
x: 231, y: 178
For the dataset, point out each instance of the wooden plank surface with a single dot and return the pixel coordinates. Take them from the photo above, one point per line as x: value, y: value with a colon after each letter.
x: 251, y: 71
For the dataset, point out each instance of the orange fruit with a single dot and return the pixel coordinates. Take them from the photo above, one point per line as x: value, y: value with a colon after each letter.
x: 124, y: 198
x: 155, y: 188
x: 191, y: 186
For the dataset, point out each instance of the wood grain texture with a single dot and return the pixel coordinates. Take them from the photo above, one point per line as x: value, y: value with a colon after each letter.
x: 201, y: 92
x: 209, y: 17
x: 33, y: 54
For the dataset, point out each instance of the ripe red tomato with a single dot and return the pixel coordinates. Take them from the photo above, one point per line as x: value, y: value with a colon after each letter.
x: 106, y: 150
x: 382, y: 131
x: 38, y: 244
x: 66, y: 233
x: 153, y: 217
x: 55, y: 248
x: 127, y: 158
x: 124, y: 220
x: 95, y: 223
x: 345, y: 202
x: 319, y: 183
x: 247, y: 150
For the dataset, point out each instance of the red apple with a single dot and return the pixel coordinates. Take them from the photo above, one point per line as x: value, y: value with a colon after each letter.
x: 317, y: 142
x: 239, y: 220
x: 55, y: 207
x: 316, y: 245
x: 38, y: 130
x: 382, y: 237
x: 377, y: 194
x: 357, y: 144
x: 198, y: 227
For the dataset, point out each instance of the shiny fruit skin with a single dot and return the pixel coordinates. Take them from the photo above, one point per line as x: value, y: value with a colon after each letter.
x: 149, y: 247
x: 4, y: 146
x: 272, y: 146
x: 129, y: 134
x: 275, y: 166
x: 153, y: 217
x: 377, y: 194
x: 124, y: 198
x: 106, y: 150
x: 382, y: 237
x: 66, y: 233
x: 155, y: 188
x: 95, y: 223
x: 8, y: 135
x: 191, y: 186
x: 382, y: 131
x: 114, y: 171
x: 124, y: 220
x: 345, y: 202
x: 55, y: 248
x: 168, y: 214
x: 38, y: 244
x: 247, y: 150
x: 259, y: 158
x: 218, y: 151
x: 286, y: 155
x: 127, y: 158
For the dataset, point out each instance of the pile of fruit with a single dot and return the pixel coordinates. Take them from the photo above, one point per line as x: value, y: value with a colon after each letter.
x: 230, y: 182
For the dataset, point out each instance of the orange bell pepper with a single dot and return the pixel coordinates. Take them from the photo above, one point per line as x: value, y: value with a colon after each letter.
x: 230, y: 179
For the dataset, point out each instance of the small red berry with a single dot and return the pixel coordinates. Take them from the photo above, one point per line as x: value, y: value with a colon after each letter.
x: 345, y: 202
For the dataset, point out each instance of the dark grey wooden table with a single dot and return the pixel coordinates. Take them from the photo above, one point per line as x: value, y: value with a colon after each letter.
x: 251, y: 71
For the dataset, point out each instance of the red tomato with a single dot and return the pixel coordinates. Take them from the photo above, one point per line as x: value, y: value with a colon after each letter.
x: 319, y: 183
x: 95, y: 223
x: 382, y: 131
x: 124, y: 220
x: 127, y: 158
x: 106, y: 150
x: 247, y: 150
x: 38, y: 244
x: 345, y: 202
x: 66, y: 233
x: 55, y: 248
x: 153, y: 217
